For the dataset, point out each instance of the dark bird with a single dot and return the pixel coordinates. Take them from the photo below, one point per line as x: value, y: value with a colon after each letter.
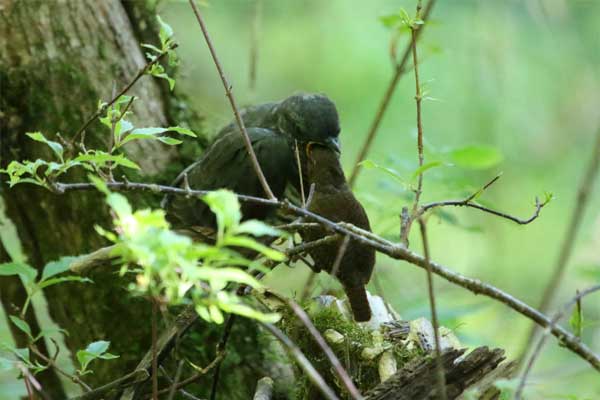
x: 274, y: 130
x: 333, y: 199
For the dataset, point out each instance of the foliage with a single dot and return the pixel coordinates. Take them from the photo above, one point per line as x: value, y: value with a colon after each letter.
x: 95, y: 350
x: 177, y: 270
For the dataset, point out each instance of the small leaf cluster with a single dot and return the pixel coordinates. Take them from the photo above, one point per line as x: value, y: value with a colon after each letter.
x: 174, y: 269
x: 53, y: 273
x: 94, y: 351
x: 470, y: 157
x: 167, y: 46
x: 103, y: 163
x: 401, y: 21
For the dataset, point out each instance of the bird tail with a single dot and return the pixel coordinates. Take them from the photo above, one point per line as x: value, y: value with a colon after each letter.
x: 359, y: 303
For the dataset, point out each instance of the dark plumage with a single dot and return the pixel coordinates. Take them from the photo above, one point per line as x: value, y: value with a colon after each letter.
x: 274, y: 128
x: 333, y: 199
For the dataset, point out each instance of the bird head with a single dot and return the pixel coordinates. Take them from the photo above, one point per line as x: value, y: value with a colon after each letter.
x: 310, y: 118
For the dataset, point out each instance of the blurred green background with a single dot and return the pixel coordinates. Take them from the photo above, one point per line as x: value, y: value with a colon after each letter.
x: 520, y: 76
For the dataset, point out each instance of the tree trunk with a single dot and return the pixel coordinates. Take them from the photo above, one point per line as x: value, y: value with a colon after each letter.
x: 57, y: 59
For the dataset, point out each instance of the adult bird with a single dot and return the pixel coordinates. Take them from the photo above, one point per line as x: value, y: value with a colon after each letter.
x: 333, y: 199
x: 274, y: 130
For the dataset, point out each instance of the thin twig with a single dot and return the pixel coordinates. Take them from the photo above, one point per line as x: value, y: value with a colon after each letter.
x: 221, y: 346
x: 441, y: 376
x: 197, y: 376
x: 468, y: 202
x: 418, y: 98
x: 154, y: 349
x: 333, y: 360
x: 394, y: 250
x: 405, y: 228
x: 387, y: 97
x: 538, y: 349
x: 583, y: 193
x: 229, y: 93
x: 254, y: 36
x: 299, y: 165
x: 102, y: 110
x: 136, y: 376
x: 175, y: 381
x: 308, y: 286
x: 305, y: 364
x: 61, y: 371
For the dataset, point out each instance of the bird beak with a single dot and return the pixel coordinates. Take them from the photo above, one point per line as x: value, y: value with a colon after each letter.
x: 333, y: 143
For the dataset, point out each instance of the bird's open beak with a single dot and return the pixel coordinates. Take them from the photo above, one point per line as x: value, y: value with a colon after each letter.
x: 333, y: 143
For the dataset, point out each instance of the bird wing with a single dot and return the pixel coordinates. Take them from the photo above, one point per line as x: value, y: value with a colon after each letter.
x: 226, y: 164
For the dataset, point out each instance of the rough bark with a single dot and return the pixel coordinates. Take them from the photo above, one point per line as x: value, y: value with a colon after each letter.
x: 57, y: 59
x: 417, y: 379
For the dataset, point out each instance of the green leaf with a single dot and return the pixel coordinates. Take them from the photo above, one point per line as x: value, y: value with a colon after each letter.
x: 55, y: 146
x: 254, y: 245
x: 165, y: 32
x: 257, y: 228
x: 226, y: 207
x: 26, y: 272
x: 576, y: 321
x: 426, y: 167
x: 99, y: 183
x: 119, y: 204
x: 227, y: 274
x: 56, y: 267
x: 9, y: 237
x: 153, y: 132
x: 101, y: 159
x: 93, y: 351
x: 69, y: 278
x: 22, y: 325
x: 369, y: 164
x: 151, y: 47
x: 476, y: 157
x: 181, y: 130
x: 168, y: 140
x: 390, y: 21
x: 249, y: 312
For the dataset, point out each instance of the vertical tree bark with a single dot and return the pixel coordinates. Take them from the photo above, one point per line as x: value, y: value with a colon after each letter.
x: 57, y: 59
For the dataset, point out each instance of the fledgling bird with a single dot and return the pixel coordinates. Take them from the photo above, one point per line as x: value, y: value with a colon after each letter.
x: 333, y: 199
x: 274, y: 130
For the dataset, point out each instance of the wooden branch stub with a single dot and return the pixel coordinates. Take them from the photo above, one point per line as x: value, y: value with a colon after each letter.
x: 417, y: 379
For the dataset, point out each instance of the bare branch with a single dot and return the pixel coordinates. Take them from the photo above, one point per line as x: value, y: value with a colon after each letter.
x: 305, y: 364
x: 221, y: 346
x: 585, y: 188
x: 99, y: 112
x: 333, y: 360
x: 264, y: 389
x: 53, y: 364
x: 441, y: 376
x: 396, y: 251
x: 538, y: 348
x: 385, y: 102
x: 229, y: 93
x: 468, y: 202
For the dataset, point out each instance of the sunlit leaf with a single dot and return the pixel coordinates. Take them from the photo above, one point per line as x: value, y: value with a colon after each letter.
x: 257, y: 228
x: 55, y: 146
x: 26, y: 272
x: 369, y: 164
x: 165, y: 31
x: 476, y: 157
x: 56, y: 267
x: 22, y: 325
x: 426, y: 167
x: 576, y: 321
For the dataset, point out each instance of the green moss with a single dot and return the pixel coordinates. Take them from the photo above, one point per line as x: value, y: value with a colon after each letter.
x: 364, y: 373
